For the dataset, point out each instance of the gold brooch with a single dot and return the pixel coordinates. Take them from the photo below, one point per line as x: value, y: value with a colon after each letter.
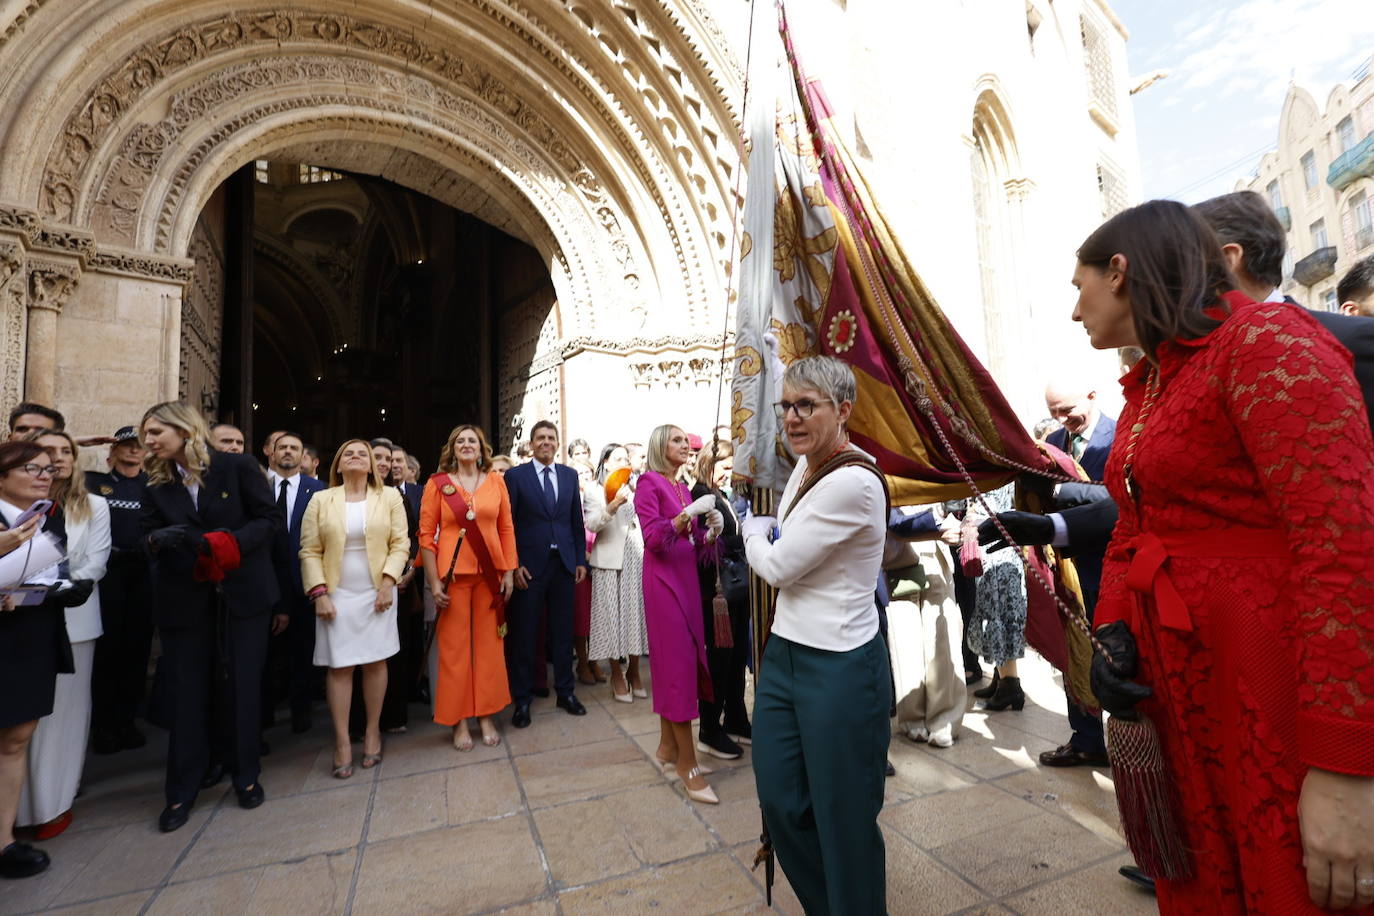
x: 106, y: 490
x: 449, y: 489
x: 224, y: 495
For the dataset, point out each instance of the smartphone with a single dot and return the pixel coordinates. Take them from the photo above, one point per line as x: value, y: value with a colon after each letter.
x: 39, y: 508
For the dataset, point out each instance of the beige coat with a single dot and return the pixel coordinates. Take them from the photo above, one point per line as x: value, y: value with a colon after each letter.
x: 324, y: 531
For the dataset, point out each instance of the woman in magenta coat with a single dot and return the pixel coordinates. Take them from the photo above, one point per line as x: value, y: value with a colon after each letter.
x: 678, y: 534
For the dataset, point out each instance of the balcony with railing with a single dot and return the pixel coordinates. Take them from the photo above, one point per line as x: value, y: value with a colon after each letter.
x: 1316, y: 267
x: 1285, y: 217
x: 1352, y: 165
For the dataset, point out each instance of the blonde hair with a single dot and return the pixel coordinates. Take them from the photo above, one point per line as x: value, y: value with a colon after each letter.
x: 374, y: 476
x: 448, y: 456
x: 706, y: 461
x: 656, y: 458
x: 194, y: 430
x: 70, y: 495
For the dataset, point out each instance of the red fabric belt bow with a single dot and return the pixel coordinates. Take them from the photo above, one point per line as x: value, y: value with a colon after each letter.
x: 1149, y: 552
x: 221, y: 556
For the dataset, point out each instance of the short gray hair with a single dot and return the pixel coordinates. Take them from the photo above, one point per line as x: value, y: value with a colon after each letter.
x: 824, y: 374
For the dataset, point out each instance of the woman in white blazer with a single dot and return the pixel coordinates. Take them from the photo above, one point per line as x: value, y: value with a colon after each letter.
x: 57, y: 751
x: 354, y: 547
x: 617, y: 562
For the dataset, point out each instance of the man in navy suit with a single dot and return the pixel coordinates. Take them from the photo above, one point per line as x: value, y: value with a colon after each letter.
x: 1086, y: 433
x: 546, y: 502
x: 293, y: 614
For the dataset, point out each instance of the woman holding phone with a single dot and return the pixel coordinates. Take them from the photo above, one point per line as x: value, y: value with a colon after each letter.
x: 33, y: 649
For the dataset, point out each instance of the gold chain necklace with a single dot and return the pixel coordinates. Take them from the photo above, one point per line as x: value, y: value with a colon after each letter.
x: 1137, y: 428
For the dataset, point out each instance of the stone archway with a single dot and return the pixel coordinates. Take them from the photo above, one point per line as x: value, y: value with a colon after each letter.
x: 600, y: 132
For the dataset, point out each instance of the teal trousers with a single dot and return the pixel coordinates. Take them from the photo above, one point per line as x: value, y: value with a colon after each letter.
x: 820, y: 748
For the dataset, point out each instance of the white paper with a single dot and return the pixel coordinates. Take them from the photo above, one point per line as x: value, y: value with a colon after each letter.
x: 28, y: 562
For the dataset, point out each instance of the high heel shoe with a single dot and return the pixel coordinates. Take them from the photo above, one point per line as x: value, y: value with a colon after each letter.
x: 1009, y: 693
x: 987, y: 693
x: 706, y: 796
x: 669, y: 769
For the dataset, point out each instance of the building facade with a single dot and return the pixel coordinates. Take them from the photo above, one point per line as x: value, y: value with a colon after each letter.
x: 1320, y: 182
x: 597, y: 142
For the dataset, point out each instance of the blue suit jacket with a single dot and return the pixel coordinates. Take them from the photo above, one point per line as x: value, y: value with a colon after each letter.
x: 1094, y: 458
x: 536, y: 527
x: 286, y: 553
x: 1094, y: 462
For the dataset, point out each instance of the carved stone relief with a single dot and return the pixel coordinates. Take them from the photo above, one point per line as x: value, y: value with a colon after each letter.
x: 202, y: 310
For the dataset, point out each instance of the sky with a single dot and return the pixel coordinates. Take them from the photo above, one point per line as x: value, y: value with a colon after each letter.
x: 1230, y: 63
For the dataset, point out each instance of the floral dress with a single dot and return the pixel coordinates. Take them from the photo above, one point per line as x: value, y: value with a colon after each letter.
x: 997, y: 629
x: 1244, y: 565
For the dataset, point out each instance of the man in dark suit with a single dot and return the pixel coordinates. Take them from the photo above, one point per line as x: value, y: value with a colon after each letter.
x: 214, y: 635
x: 546, y: 502
x: 1087, y: 434
x: 1355, y: 292
x: 293, y: 619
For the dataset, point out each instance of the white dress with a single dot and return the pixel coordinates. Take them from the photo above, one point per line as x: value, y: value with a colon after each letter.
x: 357, y: 635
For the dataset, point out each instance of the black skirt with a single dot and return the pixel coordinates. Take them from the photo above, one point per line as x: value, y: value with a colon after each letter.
x: 30, y: 658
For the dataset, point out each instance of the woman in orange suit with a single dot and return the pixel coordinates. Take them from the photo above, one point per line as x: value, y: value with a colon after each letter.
x: 467, y: 545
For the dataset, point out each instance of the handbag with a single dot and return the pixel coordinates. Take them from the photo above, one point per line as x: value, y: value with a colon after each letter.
x: 732, y: 578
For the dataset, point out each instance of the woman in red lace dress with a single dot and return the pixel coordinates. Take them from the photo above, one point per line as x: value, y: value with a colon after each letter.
x: 1242, y: 569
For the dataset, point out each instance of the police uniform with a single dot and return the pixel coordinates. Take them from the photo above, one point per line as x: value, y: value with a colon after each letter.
x: 126, y: 615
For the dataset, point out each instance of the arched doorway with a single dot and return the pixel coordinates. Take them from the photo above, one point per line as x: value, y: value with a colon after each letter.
x: 599, y: 134
x: 367, y: 309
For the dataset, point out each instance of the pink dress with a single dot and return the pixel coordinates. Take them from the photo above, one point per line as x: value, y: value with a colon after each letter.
x: 672, y: 599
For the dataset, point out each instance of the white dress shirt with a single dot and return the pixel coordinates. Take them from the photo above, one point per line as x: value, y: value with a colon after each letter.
x: 825, y: 563
x: 293, y: 489
x: 191, y: 486
x: 552, y: 468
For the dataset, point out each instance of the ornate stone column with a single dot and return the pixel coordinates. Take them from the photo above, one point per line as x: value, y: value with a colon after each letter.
x: 13, y: 323
x: 50, y: 284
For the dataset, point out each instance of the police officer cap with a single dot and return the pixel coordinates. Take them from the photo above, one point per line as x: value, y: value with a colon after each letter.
x: 124, y: 434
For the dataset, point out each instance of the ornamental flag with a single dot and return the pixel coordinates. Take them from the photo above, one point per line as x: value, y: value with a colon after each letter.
x: 822, y: 272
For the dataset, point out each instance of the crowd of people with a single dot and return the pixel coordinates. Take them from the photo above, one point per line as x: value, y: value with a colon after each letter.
x: 1224, y: 568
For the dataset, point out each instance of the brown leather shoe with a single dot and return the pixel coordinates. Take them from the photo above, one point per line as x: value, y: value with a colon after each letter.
x: 1066, y: 755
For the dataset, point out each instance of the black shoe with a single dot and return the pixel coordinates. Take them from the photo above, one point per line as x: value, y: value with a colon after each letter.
x: 521, y: 718
x: 541, y: 692
x: 300, y: 724
x: 889, y: 771
x: 1066, y: 755
x: 740, y: 734
x: 213, y: 774
x: 986, y: 693
x: 972, y: 676
x: 173, y: 818
x: 250, y: 797
x: 572, y: 705
x: 20, y: 860
x: 1009, y: 694
x: 1133, y: 874
x: 131, y: 739
x: 718, y: 744
x: 104, y: 743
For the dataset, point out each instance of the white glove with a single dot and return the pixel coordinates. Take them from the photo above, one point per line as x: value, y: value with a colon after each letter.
x: 761, y: 525
x: 701, y: 506
x: 715, y: 522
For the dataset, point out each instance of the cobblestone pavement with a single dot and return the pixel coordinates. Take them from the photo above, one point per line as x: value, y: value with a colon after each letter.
x: 570, y: 816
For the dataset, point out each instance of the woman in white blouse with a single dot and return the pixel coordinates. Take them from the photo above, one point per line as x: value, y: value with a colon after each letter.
x: 617, y: 561
x: 820, y: 710
x: 57, y: 751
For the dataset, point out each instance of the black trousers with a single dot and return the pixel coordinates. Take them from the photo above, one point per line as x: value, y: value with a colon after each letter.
x: 552, y: 589
x: 120, y: 672
x: 1088, y: 733
x: 215, y: 681
x: 401, y: 669
x: 290, y: 670
x: 727, y: 670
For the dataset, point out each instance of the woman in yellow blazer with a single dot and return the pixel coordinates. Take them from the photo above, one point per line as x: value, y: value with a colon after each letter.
x: 354, y: 546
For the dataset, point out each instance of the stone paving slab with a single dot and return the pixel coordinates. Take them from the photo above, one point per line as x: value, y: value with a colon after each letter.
x: 571, y: 816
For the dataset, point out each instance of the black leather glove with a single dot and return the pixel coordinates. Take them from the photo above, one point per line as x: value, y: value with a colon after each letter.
x: 1112, y: 683
x: 168, y: 538
x: 1026, y: 528
x: 75, y: 594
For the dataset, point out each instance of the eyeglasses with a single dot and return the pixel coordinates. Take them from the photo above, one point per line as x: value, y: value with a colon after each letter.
x: 39, y: 470
x: 803, y: 408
